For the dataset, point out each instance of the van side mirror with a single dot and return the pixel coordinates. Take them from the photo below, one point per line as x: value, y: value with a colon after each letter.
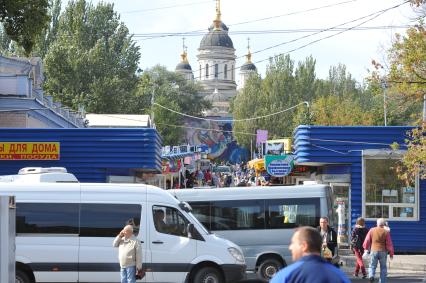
x: 190, y: 230
x: 185, y: 206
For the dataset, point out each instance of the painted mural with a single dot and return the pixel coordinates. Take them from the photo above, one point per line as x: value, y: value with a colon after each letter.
x: 218, y: 137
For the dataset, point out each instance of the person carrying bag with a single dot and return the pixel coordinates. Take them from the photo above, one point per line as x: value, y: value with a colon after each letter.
x: 357, y: 239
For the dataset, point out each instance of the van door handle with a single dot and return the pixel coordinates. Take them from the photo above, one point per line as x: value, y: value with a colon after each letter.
x: 142, y: 242
x: 157, y: 242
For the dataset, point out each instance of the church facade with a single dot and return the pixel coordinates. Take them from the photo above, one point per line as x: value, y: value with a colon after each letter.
x: 216, y: 72
x: 217, y: 68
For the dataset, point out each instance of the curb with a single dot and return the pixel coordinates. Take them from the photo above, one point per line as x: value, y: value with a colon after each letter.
x: 350, y: 261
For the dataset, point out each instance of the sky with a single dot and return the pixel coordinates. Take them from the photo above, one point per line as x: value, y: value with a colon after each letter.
x: 271, y: 25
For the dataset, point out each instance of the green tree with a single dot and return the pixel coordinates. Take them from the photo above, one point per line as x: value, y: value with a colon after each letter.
x: 249, y: 102
x: 284, y: 86
x: 408, y: 75
x: 24, y: 20
x: 170, y: 90
x: 278, y: 88
x: 48, y: 35
x: 335, y: 111
x: 93, y: 61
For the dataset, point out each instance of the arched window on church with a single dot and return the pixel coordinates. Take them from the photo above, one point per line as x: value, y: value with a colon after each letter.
x: 225, y: 71
x: 216, y: 71
x: 232, y: 72
x: 207, y: 70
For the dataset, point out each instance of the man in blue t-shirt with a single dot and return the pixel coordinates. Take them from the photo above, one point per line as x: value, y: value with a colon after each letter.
x: 308, y: 265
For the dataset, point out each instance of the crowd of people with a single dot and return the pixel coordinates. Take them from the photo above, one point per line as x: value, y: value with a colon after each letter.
x: 312, y: 252
x: 238, y: 175
x: 311, y: 264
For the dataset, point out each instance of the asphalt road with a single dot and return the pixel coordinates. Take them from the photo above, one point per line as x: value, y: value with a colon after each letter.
x: 394, y: 277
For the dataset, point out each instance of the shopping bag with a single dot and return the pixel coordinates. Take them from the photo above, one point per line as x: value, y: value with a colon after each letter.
x: 366, y: 255
x: 326, y: 253
x: 140, y: 274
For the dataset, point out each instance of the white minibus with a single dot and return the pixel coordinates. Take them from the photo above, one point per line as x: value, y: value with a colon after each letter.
x: 64, y: 233
x: 261, y: 220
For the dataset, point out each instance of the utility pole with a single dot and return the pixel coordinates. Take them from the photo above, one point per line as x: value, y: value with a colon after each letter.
x: 152, y: 107
x: 384, y: 86
x: 154, y: 76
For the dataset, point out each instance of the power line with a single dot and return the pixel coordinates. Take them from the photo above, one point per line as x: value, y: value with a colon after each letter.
x: 204, y: 129
x: 180, y: 126
x: 165, y: 7
x: 407, y: 82
x: 264, y: 32
x: 263, y: 19
x: 369, y: 17
x: 232, y: 120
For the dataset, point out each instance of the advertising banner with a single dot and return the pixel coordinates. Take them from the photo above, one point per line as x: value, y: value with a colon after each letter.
x: 261, y: 136
x: 277, y: 147
x: 29, y: 150
x: 279, y: 165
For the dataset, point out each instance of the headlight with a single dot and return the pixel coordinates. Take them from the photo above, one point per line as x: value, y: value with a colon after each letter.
x: 236, y: 254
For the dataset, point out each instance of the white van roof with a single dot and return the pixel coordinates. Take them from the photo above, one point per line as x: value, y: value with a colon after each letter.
x: 40, y: 175
x: 250, y: 192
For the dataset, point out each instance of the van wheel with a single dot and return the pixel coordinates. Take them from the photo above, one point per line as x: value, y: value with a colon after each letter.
x: 208, y: 275
x: 268, y: 268
x: 21, y: 277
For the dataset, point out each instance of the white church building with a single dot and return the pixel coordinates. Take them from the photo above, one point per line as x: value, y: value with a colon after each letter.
x: 217, y: 67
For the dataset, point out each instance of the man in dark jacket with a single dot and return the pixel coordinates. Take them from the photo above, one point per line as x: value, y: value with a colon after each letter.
x: 308, y: 265
x: 328, y: 235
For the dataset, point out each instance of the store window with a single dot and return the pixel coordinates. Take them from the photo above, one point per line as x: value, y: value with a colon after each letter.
x: 385, y: 195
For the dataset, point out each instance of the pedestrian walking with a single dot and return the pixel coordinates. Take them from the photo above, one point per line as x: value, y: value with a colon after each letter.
x: 129, y: 254
x: 379, y: 242
x: 358, y: 236
x: 328, y: 235
x: 308, y: 265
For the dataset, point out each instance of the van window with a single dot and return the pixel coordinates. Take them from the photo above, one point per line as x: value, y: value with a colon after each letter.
x: 290, y: 213
x: 169, y: 220
x: 201, y: 211
x: 237, y: 215
x: 107, y: 220
x: 49, y: 218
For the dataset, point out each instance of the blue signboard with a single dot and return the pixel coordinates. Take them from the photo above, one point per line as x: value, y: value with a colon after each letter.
x: 279, y: 165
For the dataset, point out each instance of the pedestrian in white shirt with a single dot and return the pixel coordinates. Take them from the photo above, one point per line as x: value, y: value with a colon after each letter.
x: 129, y: 254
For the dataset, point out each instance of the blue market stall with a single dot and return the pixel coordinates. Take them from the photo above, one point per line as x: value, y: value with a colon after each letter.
x: 93, y: 155
x: 359, y: 165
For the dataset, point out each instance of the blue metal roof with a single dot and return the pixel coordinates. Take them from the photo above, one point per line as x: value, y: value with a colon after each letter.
x: 91, y: 154
x: 343, y: 145
x: 329, y: 144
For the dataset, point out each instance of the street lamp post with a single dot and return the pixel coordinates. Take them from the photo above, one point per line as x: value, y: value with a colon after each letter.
x: 384, y: 86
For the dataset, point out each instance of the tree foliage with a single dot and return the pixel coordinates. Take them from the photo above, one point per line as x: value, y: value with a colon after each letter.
x: 248, y: 103
x: 408, y: 73
x: 92, y: 60
x: 170, y: 90
x: 24, y: 20
x: 408, y: 62
x: 283, y: 87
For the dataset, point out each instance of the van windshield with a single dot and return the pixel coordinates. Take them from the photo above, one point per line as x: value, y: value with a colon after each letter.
x: 194, y: 219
